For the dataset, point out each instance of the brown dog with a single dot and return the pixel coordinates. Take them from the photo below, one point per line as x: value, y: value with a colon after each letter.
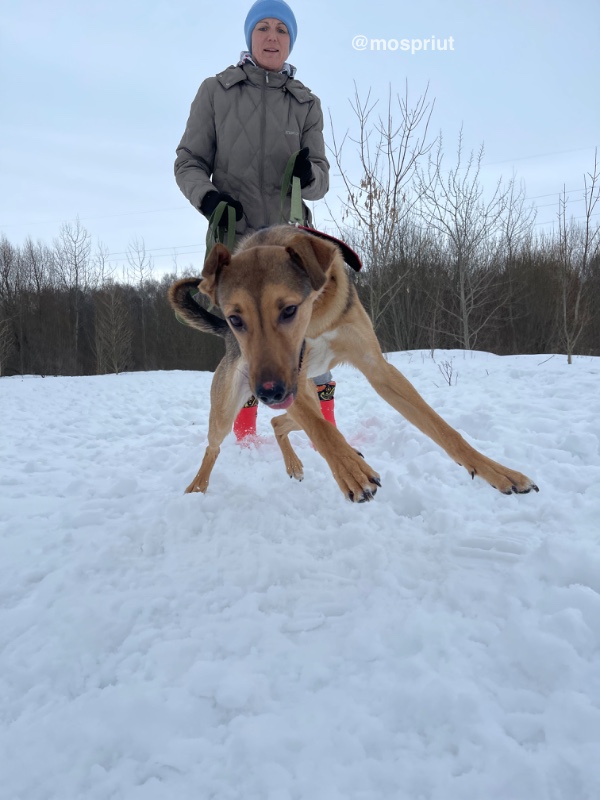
x: 291, y: 313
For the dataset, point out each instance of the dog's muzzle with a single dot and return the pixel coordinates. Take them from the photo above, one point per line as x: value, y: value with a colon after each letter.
x: 276, y: 394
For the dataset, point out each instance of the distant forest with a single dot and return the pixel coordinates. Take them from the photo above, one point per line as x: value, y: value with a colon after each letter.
x: 446, y: 264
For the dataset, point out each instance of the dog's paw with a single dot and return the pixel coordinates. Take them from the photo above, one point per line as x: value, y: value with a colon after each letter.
x: 516, y: 483
x: 502, y: 478
x: 357, y: 480
x: 367, y: 494
x: 197, y: 486
x: 294, y: 466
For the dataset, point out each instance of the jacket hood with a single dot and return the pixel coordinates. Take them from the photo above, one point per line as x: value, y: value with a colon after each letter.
x: 256, y: 76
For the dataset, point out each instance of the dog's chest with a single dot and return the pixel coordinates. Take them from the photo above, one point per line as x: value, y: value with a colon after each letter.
x: 319, y: 355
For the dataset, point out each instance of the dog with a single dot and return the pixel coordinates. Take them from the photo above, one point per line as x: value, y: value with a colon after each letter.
x: 291, y: 312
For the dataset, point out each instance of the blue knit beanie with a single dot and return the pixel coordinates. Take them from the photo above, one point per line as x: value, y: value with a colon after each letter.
x: 275, y: 9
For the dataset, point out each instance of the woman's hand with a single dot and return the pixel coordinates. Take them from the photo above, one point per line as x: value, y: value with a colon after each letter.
x: 212, y: 199
x: 303, y: 167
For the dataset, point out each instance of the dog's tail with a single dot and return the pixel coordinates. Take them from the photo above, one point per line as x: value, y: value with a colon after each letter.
x: 188, y: 311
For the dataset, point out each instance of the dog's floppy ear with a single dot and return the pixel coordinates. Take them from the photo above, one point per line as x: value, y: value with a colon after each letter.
x: 313, y: 255
x: 218, y: 258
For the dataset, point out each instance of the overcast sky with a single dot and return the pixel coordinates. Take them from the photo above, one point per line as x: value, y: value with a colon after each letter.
x: 95, y: 97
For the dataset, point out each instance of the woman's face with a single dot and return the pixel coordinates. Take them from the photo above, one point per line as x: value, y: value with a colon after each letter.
x: 270, y: 44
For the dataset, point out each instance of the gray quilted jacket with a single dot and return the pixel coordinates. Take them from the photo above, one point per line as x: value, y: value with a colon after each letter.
x: 244, y: 124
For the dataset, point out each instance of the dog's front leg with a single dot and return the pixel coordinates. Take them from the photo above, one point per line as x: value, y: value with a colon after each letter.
x: 228, y: 392
x: 357, y: 480
x: 283, y: 426
x: 401, y: 395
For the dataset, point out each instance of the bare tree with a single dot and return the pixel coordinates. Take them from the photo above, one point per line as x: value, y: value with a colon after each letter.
x: 114, y: 333
x: 140, y: 273
x: 39, y: 265
x: 75, y: 273
x: 9, y: 272
x: 516, y: 224
x: 7, y: 342
x: 455, y: 204
x: 516, y: 237
x: 579, y: 248
x: 377, y: 204
x: 12, y: 285
x: 409, y: 321
x: 104, y: 270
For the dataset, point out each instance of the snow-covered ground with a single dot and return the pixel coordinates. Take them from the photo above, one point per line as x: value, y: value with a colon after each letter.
x: 271, y: 640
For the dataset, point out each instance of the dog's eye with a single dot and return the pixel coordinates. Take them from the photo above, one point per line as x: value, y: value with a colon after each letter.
x: 236, y: 321
x: 288, y: 313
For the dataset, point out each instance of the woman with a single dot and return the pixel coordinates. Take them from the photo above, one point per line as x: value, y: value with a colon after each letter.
x: 244, y: 125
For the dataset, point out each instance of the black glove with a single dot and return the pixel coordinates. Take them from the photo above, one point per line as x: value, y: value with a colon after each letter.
x: 212, y: 199
x: 303, y: 168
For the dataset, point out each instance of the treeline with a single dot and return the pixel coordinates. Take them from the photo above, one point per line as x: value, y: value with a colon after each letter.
x: 535, y: 298
x: 450, y: 262
x: 63, y: 312
x: 447, y: 264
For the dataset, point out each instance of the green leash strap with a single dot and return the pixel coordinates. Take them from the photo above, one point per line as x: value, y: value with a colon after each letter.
x: 296, y: 210
x: 296, y: 215
x: 220, y: 230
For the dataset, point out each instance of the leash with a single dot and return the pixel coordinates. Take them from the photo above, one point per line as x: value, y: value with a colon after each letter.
x: 224, y: 232
x: 297, y: 217
x: 290, y: 180
x: 220, y: 230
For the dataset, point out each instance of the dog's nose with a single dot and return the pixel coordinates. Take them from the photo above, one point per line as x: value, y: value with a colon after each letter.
x: 271, y: 392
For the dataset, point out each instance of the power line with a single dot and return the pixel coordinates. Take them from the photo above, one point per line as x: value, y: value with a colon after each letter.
x: 154, y: 249
x: 574, y: 219
x: 549, y: 205
x: 180, y: 208
x: 537, y: 155
x: 552, y: 194
x: 100, y: 216
x: 117, y: 256
x: 189, y: 253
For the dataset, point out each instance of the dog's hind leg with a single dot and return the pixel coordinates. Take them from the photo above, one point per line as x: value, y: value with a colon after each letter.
x: 228, y: 392
x: 283, y: 426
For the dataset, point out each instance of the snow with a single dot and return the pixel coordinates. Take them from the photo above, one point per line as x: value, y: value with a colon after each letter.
x: 270, y: 640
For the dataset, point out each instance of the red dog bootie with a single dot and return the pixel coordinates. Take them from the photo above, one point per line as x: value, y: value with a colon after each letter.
x: 326, y: 392
x: 245, y: 422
